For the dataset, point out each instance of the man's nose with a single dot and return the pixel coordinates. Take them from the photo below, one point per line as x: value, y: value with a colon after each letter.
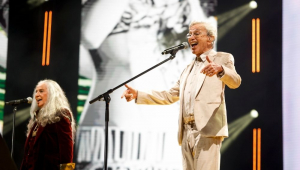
x: 191, y: 37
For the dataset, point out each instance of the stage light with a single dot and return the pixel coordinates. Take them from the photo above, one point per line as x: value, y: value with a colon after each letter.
x: 47, y: 38
x: 227, y: 20
x: 257, y: 149
x: 255, y: 45
x: 254, y: 113
x: 253, y: 4
x: 236, y: 128
x: 22, y: 116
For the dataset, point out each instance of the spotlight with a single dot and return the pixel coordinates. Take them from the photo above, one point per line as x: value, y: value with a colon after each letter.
x: 253, y: 4
x: 254, y: 113
x: 230, y: 19
x: 236, y: 128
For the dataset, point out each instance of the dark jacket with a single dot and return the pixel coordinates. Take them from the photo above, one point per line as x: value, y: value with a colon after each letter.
x: 52, y: 146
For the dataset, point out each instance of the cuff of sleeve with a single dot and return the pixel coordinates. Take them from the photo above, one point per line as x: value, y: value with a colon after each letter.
x: 67, y: 166
x: 137, y: 95
x: 221, y: 74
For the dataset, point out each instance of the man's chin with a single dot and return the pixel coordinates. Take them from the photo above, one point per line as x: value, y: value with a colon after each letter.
x: 194, y: 52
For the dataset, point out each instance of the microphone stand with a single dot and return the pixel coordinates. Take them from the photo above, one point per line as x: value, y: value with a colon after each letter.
x: 105, y: 97
x: 13, y: 131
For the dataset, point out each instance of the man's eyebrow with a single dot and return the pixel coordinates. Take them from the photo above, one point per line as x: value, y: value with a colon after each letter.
x: 194, y: 30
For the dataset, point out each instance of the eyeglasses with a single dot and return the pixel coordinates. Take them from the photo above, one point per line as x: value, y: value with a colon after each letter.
x: 195, y: 34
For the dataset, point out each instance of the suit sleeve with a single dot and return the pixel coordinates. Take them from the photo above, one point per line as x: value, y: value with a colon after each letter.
x: 231, y: 78
x: 64, y: 131
x: 159, y: 97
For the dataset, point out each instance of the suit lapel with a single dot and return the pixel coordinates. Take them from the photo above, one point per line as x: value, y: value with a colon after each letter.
x: 38, y: 133
x: 200, y: 80
x: 29, y: 135
x: 211, y: 56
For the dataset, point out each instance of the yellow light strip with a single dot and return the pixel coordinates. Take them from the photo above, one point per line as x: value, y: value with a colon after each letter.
x: 254, y: 149
x: 253, y: 45
x: 49, y: 38
x: 45, y: 38
x: 257, y: 45
x: 258, y: 148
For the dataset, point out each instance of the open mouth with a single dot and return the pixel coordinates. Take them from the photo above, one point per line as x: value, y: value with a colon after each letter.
x: 194, y: 44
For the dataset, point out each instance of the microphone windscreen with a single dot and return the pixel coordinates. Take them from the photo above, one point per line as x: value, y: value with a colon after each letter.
x: 186, y: 45
x: 29, y: 99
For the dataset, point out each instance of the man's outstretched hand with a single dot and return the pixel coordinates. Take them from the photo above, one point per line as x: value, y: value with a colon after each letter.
x: 129, y: 93
x: 211, y: 68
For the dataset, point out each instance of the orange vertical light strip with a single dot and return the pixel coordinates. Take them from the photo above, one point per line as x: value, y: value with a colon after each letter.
x: 257, y: 45
x: 254, y: 149
x: 49, y: 38
x: 258, y: 149
x: 253, y: 45
x: 45, y: 38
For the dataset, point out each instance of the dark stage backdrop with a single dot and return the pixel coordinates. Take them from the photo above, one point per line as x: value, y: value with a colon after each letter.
x: 24, y: 58
x: 260, y: 91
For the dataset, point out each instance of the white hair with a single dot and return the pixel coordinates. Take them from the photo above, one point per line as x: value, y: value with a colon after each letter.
x: 55, y: 107
x: 211, y: 30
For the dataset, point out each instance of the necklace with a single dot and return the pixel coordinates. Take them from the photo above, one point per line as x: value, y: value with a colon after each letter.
x: 35, y: 130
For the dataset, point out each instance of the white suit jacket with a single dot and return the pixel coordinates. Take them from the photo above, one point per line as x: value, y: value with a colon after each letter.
x: 209, y: 108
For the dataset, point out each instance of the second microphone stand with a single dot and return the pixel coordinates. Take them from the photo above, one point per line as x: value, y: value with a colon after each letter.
x: 13, y: 132
x: 105, y: 97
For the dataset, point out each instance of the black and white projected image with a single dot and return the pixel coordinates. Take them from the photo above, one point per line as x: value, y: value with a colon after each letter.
x: 119, y: 40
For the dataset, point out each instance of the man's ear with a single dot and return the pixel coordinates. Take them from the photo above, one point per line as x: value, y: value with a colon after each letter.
x: 211, y: 38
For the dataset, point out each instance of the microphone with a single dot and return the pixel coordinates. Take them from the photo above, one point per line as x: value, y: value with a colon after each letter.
x: 15, y: 102
x: 183, y: 45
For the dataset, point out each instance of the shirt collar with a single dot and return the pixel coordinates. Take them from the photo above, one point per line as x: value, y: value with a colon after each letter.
x: 203, y: 56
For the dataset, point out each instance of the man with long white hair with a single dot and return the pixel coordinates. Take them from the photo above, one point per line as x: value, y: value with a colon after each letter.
x: 51, y: 129
x: 200, y: 88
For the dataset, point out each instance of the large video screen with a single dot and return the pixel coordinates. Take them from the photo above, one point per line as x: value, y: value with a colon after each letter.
x: 291, y: 84
x: 119, y: 40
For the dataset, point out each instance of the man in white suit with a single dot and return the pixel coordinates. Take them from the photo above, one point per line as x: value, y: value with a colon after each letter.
x: 200, y: 88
